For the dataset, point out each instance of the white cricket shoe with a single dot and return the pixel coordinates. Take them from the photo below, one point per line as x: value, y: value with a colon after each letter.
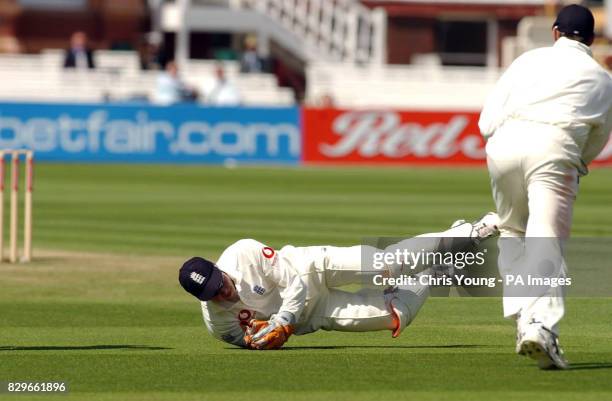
x: 542, y: 345
x: 483, y: 228
x: 486, y: 227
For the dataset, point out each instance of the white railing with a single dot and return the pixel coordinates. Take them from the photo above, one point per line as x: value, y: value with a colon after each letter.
x: 336, y: 30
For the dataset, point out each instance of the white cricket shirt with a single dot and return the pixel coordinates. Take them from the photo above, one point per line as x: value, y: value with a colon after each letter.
x: 561, y: 85
x: 267, y: 283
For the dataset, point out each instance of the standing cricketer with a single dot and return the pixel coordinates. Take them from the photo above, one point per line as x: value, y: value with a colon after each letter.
x: 547, y: 118
x: 256, y: 297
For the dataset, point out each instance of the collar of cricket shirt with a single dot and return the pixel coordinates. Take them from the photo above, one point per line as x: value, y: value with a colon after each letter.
x: 574, y: 44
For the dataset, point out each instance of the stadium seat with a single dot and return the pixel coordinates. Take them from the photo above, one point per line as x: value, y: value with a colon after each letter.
x: 118, y: 77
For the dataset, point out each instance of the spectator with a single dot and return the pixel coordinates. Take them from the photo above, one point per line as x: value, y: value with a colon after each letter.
x: 10, y: 45
x: 250, y: 60
x: 79, y: 55
x: 171, y: 89
x: 221, y: 92
x: 151, y: 53
x: 326, y: 101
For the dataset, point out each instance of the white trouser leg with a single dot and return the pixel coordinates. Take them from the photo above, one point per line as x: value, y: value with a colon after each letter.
x: 534, y: 198
x: 365, y: 310
x: 552, y: 191
x: 511, y: 201
x: 343, y: 266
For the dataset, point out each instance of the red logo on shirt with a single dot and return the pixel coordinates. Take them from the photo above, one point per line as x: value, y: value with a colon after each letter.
x: 268, y: 252
x: 244, y: 315
x: 244, y: 318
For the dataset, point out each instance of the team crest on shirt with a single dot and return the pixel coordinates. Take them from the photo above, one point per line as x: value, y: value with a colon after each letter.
x: 259, y: 289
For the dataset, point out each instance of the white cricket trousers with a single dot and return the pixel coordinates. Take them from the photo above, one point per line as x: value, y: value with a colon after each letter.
x: 534, y: 182
x: 332, y: 308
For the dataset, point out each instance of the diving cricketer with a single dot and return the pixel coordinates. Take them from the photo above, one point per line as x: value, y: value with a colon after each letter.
x: 548, y: 117
x: 257, y: 297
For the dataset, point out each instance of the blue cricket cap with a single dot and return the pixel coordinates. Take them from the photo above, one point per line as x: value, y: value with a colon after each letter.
x: 576, y: 20
x: 201, y: 278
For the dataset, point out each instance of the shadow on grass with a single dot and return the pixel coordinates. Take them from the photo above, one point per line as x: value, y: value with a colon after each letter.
x: 339, y: 347
x: 590, y: 365
x: 81, y: 347
x: 388, y: 346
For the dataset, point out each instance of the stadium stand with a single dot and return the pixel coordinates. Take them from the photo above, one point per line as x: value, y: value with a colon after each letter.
x: 426, y: 84
x: 340, y: 42
x: 118, y: 77
x: 427, y: 87
x: 338, y: 30
x: 534, y: 32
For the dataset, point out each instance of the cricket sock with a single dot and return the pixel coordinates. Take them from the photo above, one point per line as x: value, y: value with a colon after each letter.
x: 413, y: 296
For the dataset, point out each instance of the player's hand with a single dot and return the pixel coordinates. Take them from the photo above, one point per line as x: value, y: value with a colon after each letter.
x: 273, y: 339
x: 271, y: 334
x: 251, y: 328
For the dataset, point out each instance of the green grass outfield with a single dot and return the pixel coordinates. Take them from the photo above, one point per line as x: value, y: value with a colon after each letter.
x: 101, y: 308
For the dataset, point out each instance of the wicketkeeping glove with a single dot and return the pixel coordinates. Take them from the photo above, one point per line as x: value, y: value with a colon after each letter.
x: 271, y: 334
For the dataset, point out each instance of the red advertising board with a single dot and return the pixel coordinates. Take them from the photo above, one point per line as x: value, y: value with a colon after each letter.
x: 396, y: 137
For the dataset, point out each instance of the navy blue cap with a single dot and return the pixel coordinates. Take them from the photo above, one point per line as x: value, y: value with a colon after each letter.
x: 575, y: 20
x: 201, y: 278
